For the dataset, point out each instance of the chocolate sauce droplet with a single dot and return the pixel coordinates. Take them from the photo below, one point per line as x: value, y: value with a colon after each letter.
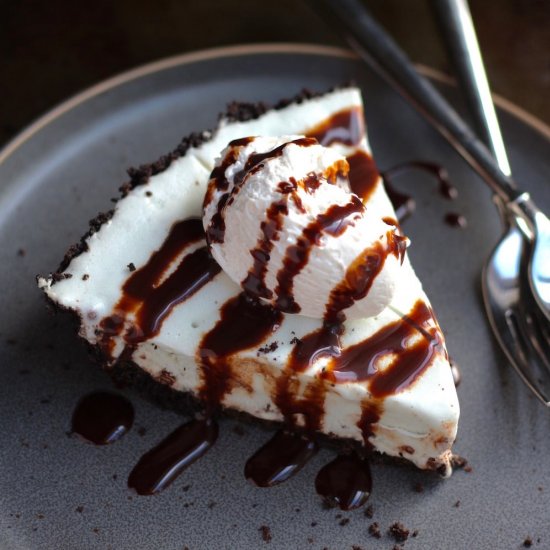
x: 282, y: 457
x: 160, y: 466
x: 346, y: 481
x: 457, y: 375
x: 102, y: 417
x: 455, y: 220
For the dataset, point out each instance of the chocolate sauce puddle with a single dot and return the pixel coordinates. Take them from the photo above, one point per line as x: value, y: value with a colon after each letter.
x: 346, y: 481
x: 282, y: 457
x: 102, y: 417
x: 160, y: 466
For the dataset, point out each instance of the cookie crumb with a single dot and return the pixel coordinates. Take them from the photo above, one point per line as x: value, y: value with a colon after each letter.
x: 80, y: 509
x: 528, y: 542
x: 398, y: 532
x: 459, y: 462
x: 344, y: 521
x: 374, y: 530
x: 131, y: 266
x: 369, y: 511
x: 21, y: 252
x: 457, y: 504
x: 269, y: 348
x: 266, y: 533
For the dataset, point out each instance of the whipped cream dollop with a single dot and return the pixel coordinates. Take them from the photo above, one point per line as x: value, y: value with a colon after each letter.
x: 282, y: 222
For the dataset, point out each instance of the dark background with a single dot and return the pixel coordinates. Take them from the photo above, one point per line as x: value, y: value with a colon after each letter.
x: 51, y: 50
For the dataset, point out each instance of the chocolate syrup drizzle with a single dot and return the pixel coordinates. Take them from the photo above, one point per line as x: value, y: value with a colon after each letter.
x: 254, y: 283
x: 215, y: 232
x: 245, y: 323
x: 346, y: 127
x: 102, y: 417
x: 149, y: 297
x: 334, y: 221
x: 404, y: 204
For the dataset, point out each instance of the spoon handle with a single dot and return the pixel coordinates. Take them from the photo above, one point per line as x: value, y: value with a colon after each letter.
x: 458, y: 32
x: 372, y: 43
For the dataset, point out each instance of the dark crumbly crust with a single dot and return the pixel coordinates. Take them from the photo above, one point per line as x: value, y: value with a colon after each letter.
x: 235, y: 112
x: 81, y: 246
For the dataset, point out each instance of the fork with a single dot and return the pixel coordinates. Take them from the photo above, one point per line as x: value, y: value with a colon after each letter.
x: 514, y: 318
x: 517, y: 292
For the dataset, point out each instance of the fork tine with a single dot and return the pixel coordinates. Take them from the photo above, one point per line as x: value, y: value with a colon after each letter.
x: 522, y: 358
x: 537, y: 337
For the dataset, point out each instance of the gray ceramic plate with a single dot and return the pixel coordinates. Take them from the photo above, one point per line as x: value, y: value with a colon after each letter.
x: 58, y: 492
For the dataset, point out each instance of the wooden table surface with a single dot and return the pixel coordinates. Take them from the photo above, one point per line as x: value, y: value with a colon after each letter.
x: 52, y: 50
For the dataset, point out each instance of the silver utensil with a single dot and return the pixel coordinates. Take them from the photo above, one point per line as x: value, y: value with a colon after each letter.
x: 509, y: 307
x: 529, y: 271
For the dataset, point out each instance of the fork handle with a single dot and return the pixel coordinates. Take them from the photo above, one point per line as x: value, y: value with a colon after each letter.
x: 458, y: 33
x: 373, y: 44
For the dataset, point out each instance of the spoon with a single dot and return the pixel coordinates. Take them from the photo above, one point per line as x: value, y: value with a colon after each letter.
x: 507, y: 304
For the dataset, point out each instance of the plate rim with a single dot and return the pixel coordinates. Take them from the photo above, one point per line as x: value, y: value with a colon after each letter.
x: 287, y: 48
